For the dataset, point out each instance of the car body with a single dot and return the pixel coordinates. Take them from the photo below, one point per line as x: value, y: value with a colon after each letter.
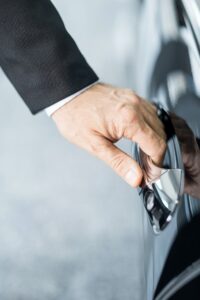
x: 168, y: 69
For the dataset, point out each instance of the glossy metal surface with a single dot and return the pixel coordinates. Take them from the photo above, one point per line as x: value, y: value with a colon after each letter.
x: 169, y: 67
x: 192, y: 14
x: 162, y: 187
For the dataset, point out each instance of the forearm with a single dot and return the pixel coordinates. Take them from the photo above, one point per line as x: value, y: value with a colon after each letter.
x: 38, y: 55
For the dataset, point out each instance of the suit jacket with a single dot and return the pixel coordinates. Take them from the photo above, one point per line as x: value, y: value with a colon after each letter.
x: 38, y: 55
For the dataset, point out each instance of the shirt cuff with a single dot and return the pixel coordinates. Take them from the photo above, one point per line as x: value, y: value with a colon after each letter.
x: 51, y: 109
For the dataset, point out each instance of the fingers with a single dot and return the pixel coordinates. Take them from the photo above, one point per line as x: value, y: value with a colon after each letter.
x: 149, y: 141
x: 138, y: 122
x: 150, y: 117
x: 119, y: 161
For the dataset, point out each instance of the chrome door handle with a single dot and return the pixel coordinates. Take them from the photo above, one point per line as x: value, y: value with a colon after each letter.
x: 162, y: 188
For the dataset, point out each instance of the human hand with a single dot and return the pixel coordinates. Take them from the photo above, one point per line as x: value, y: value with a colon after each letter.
x: 104, y: 114
x: 191, y: 156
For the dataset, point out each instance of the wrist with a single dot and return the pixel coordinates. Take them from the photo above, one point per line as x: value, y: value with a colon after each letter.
x: 56, y: 106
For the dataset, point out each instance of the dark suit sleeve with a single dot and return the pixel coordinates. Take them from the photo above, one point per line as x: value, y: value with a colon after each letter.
x: 38, y: 55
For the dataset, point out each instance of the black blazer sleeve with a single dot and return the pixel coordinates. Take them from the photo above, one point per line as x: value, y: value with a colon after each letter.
x: 38, y: 55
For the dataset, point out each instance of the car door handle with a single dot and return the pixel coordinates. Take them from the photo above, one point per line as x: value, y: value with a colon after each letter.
x: 162, y: 187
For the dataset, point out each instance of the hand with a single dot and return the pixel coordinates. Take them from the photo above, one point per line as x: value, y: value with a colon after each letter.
x: 101, y: 116
x: 191, y: 156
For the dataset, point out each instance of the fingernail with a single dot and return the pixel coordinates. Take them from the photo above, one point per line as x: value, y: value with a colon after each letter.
x: 131, y: 176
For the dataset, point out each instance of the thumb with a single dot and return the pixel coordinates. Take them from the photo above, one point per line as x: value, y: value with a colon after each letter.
x: 121, y: 163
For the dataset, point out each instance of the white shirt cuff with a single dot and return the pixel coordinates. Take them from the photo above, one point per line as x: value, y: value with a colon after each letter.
x: 51, y: 109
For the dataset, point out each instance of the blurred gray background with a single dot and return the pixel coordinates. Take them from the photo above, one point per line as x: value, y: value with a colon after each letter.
x: 69, y: 227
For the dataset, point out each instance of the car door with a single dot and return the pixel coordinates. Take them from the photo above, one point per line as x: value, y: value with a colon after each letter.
x: 168, y: 68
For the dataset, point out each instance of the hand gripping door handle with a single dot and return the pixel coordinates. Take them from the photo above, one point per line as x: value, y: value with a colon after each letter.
x: 162, y: 188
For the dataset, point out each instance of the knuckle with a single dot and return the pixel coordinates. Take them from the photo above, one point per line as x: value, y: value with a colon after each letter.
x: 135, y: 99
x: 132, y: 96
x: 117, y: 163
x: 128, y: 92
x: 128, y: 114
x: 162, y: 146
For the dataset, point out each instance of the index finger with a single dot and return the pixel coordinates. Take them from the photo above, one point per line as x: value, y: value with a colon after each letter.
x: 149, y: 141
